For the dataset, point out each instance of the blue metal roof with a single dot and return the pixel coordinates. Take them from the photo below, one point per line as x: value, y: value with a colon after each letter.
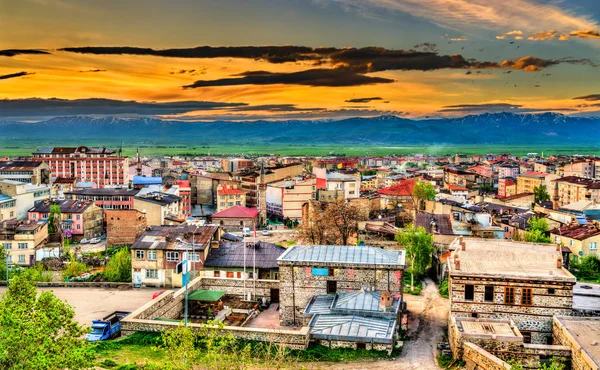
x: 353, y: 328
x: 4, y: 197
x: 143, y: 180
x: 343, y: 254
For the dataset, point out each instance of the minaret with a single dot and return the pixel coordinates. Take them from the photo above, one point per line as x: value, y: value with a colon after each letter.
x: 555, y: 197
x: 139, y: 163
x: 262, y: 196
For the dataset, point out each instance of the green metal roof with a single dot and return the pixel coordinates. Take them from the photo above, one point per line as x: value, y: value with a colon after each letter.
x: 206, y: 295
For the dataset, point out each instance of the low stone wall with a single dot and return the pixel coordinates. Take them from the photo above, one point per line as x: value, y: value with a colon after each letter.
x: 235, y: 287
x: 79, y: 284
x: 580, y: 359
x: 482, y: 358
x: 344, y: 344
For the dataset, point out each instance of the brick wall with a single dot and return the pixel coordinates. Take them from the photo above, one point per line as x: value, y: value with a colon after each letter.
x: 124, y: 226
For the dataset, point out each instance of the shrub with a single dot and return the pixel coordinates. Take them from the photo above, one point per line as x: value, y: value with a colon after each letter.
x: 108, y: 363
x: 118, y: 268
x: 444, y: 288
x: 74, y: 269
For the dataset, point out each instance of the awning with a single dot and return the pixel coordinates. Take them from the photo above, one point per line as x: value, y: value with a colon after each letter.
x: 206, y: 295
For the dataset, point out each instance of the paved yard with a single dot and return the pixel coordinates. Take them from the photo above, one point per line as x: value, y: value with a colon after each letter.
x: 95, y: 303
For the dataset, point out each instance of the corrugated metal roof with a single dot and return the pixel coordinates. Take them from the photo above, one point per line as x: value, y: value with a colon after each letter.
x: 361, y: 301
x: 343, y: 254
x: 232, y: 255
x: 319, y: 304
x: 352, y: 328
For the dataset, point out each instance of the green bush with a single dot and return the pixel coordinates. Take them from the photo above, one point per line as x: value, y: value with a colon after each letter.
x: 118, y: 268
x: 108, y: 363
x: 317, y: 352
x: 74, y: 268
x: 444, y: 288
x: 418, y: 285
x: 586, y: 268
x: 444, y: 360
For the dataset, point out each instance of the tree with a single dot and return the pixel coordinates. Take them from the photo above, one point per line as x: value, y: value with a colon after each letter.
x: 118, y: 268
x: 343, y: 218
x: 38, y: 332
x: 54, y: 219
x: 418, y: 245
x: 536, y: 232
x: 540, y: 194
x: 423, y: 190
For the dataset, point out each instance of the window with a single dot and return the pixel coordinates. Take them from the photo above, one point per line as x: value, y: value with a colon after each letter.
x: 361, y: 345
x: 505, y: 229
x: 239, y: 274
x: 9, y: 258
x: 139, y: 255
x: 21, y: 258
x: 22, y: 245
x: 469, y: 292
x: 526, y: 296
x: 331, y: 272
x: 78, y: 217
x: 509, y: 295
x: 489, y: 293
x: 151, y: 274
x: 593, y: 245
x: 229, y: 274
x: 551, y: 291
x: 571, y: 243
x: 7, y: 245
x: 474, y: 315
x: 172, y: 256
x: 556, y: 239
x: 193, y: 257
x: 526, y: 336
x: 217, y: 273
x: 151, y: 255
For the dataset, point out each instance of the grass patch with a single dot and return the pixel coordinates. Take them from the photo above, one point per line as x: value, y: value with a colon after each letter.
x: 444, y: 288
x: 418, y: 285
x: 319, y: 353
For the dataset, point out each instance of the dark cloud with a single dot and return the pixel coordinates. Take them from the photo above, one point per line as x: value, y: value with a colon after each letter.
x: 592, y: 97
x: 274, y: 108
x: 495, y: 108
x: 363, y: 100
x: 191, y: 72
x: 93, y: 71
x: 63, y: 107
x: 304, y: 115
x: 312, y: 77
x: 13, y: 52
x: 13, y: 75
x: 586, y: 34
x: 273, y: 54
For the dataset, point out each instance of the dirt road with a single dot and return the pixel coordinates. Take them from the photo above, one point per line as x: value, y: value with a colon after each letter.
x: 428, y: 317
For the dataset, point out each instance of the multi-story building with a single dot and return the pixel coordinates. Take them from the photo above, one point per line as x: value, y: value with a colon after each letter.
x: 185, y: 193
x: 507, y: 187
x: 29, y: 172
x: 573, y: 189
x: 124, y: 226
x: 24, y: 195
x: 236, y: 164
x: 523, y: 282
x: 581, y: 168
x: 160, y: 208
x: 107, y: 198
x: 582, y: 240
x: 250, y: 179
x: 527, y: 181
x: 156, y: 253
x: 453, y: 176
x: 229, y: 196
x: 286, y: 198
x: 83, y: 218
x: 8, y: 207
x: 334, y: 181
x: 21, y: 238
x: 102, y: 166
x: 508, y: 171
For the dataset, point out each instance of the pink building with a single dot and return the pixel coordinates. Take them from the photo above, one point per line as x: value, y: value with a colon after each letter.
x: 83, y: 218
x: 508, y: 171
x: 185, y: 193
x: 484, y: 171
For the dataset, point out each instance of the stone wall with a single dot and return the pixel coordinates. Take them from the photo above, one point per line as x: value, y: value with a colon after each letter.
x: 344, y: 344
x: 235, y: 287
x: 298, y: 285
x: 535, y: 318
x: 473, y: 354
x: 580, y: 360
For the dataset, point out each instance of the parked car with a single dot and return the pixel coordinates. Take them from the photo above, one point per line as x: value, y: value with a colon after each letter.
x: 156, y: 294
x: 107, y: 328
x: 84, y: 241
x: 95, y: 240
x: 246, y: 231
x: 265, y: 232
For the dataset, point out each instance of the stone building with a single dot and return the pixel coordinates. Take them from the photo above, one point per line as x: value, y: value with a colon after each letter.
x: 308, y: 271
x: 124, y: 226
x: 524, y: 282
x: 581, y: 335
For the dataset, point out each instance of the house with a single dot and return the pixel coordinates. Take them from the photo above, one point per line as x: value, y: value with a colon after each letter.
x: 29, y: 172
x: 523, y: 282
x: 572, y: 189
x: 106, y: 198
x: 580, y: 335
x: 507, y: 187
x: 124, y: 226
x: 346, y: 183
x: 82, y: 217
x: 62, y: 185
x: 229, y: 196
x: 25, y: 195
x: 366, y: 284
x: 580, y: 168
x: 582, y: 240
x: 228, y: 260
x: 185, y: 193
x: 453, y: 176
x: 236, y: 218
x: 458, y: 191
x: 529, y: 180
x: 8, y: 207
x: 400, y: 194
x: 156, y: 253
x: 285, y: 198
x: 160, y: 208
x: 100, y: 165
x: 21, y: 238
x: 508, y: 170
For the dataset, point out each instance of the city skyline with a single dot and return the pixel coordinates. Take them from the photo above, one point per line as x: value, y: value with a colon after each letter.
x: 235, y: 60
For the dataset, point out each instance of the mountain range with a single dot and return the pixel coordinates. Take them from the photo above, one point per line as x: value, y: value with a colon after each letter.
x: 488, y: 128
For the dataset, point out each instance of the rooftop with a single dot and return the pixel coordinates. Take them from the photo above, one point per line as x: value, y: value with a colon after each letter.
x: 66, y: 206
x: 533, y: 174
x: 352, y: 328
x: 507, y: 259
x: 342, y: 254
x: 159, y: 198
x: 232, y: 255
x: 469, y: 326
x: 443, y: 223
x: 585, y: 331
x: 403, y: 189
x: 237, y: 212
x: 229, y: 190
x: 165, y: 237
x: 104, y: 191
x: 19, y: 165
x: 577, y: 232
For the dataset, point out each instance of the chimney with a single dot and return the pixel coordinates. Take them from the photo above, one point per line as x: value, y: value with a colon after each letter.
x: 385, y: 300
x: 456, y: 263
x: 559, y: 263
x: 558, y: 247
x: 463, y: 245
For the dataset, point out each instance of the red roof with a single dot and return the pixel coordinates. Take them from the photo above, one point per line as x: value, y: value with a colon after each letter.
x: 457, y: 188
x: 534, y: 173
x: 403, y: 189
x: 230, y: 191
x: 237, y: 212
x: 321, y: 183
